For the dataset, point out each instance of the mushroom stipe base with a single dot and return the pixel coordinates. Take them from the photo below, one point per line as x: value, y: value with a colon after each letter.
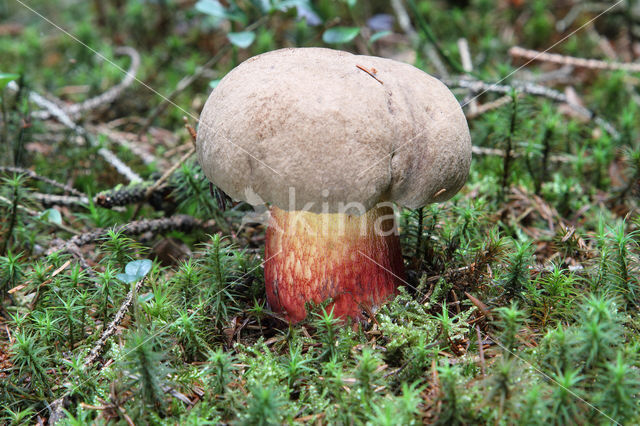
x: 354, y: 260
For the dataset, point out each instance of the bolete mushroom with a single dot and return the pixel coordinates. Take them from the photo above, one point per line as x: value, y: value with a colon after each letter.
x: 331, y: 140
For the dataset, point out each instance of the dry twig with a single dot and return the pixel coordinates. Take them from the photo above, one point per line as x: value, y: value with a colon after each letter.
x: 480, y: 351
x: 404, y: 21
x: 75, y: 110
x: 467, y: 65
x: 594, y: 64
x: 36, y: 214
x: 559, y: 158
x: 64, y: 118
x: 489, y: 106
x: 579, y: 8
x: 49, y: 200
x: 479, y: 86
x: 179, y: 222
x: 57, y: 406
x: 35, y: 176
x: 120, y: 139
x: 157, y: 184
x: 135, y: 193
x: 97, y: 349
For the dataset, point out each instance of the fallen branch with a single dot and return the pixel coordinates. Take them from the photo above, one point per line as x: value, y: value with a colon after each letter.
x: 557, y: 76
x: 481, y: 87
x: 35, y: 176
x: 48, y: 200
x: 105, y: 98
x: 117, y: 137
x: 579, y: 8
x: 43, y: 284
x: 180, y: 222
x: 122, y: 168
x: 481, y: 351
x: 480, y: 150
x: 157, y: 184
x: 56, y: 408
x: 467, y: 65
x: 64, y: 118
x: 404, y: 21
x: 534, y: 269
x: 489, y: 106
x: 594, y: 64
x: 131, y: 194
x: 97, y: 349
x: 36, y: 214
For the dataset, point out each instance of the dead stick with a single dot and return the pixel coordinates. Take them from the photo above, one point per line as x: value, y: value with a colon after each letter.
x: 104, y: 98
x: 489, y: 106
x: 191, y: 130
x: 60, y: 200
x: 35, y: 176
x: 108, y: 332
x: 163, y: 178
x: 119, y: 138
x: 178, y: 222
x: 467, y: 66
x: 594, y: 64
x: 481, y: 87
x: 36, y: 214
x: 57, y: 406
x: 480, y: 350
x: 64, y: 118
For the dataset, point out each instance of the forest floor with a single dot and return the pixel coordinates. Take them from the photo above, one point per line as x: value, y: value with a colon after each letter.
x: 129, y: 296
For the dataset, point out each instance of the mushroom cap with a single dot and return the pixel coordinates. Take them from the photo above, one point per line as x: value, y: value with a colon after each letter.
x: 309, y: 129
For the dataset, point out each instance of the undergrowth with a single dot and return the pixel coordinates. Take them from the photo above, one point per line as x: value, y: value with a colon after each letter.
x: 522, y: 292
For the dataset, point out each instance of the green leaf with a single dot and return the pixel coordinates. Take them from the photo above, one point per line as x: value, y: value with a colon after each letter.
x: 242, y: 39
x: 377, y: 36
x: 217, y: 10
x: 135, y: 271
x: 352, y: 3
x: 51, y: 215
x: 212, y: 7
x: 138, y: 268
x: 214, y: 83
x: 145, y: 297
x: 126, y: 278
x: 6, y: 78
x: 338, y: 35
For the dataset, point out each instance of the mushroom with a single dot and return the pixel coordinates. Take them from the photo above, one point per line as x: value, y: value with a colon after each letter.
x: 332, y: 140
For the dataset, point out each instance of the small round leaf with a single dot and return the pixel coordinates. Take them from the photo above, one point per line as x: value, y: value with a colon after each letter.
x: 377, y: 36
x: 51, y: 215
x: 338, y: 35
x: 217, y: 10
x: 126, y: 278
x: 242, y: 39
x: 138, y: 268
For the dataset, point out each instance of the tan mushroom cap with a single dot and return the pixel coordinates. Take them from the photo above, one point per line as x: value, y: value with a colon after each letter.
x: 310, y: 122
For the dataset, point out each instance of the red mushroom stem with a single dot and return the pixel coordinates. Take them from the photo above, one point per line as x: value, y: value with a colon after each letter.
x: 354, y: 260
